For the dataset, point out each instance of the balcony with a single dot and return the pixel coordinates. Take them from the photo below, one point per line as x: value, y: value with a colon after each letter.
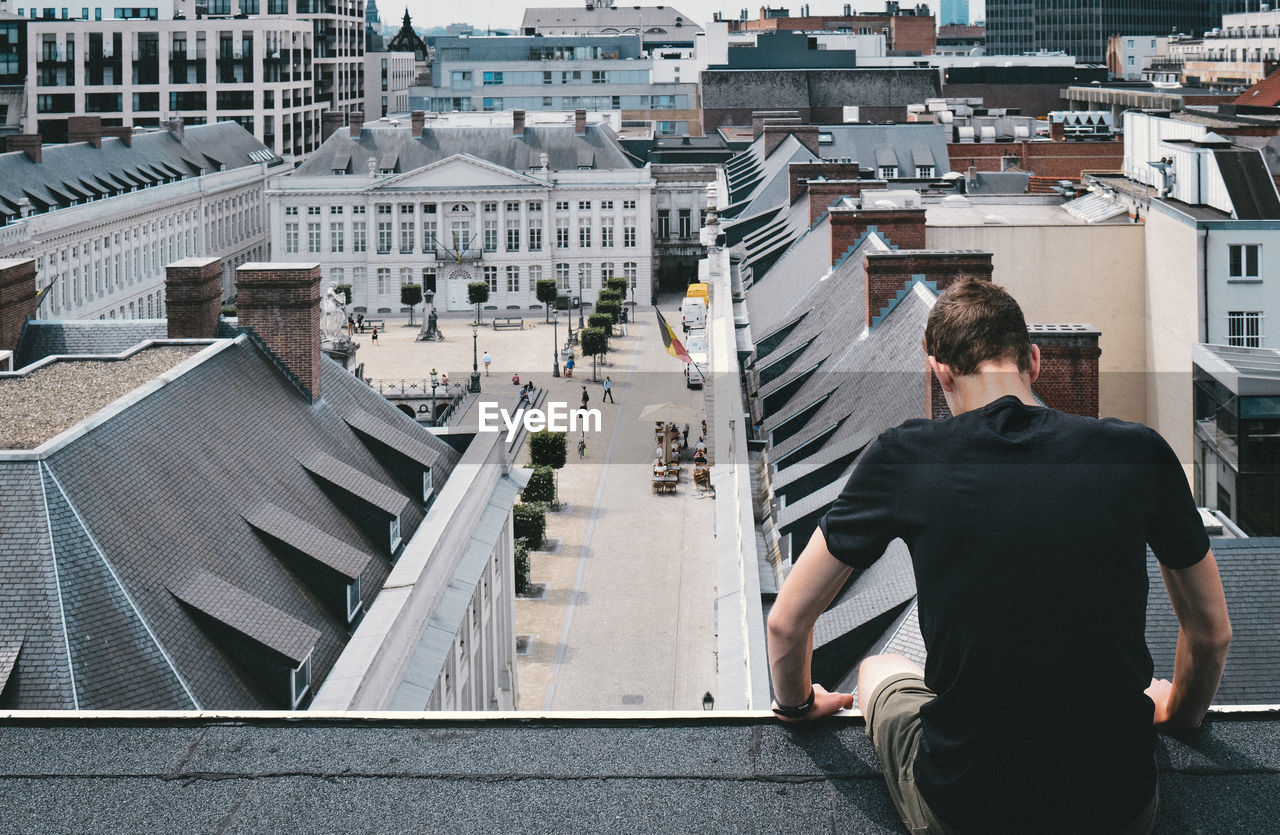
x: 459, y: 255
x: 691, y: 772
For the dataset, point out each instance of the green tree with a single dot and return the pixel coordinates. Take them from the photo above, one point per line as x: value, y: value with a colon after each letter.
x: 609, y: 295
x: 600, y: 320
x: 618, y: 284
x: 546, y: 293
x: 523, y: 586
x: 610, y: 307
x: 529, y: 522
x: 594, y: 342
x: 548, y: 449
x: 411, y: 295
x: 478, y: 294
x: 541, y: 486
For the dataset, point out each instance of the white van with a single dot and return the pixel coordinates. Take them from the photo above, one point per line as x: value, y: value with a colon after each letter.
x: 696, y: 370
x: 693, y: 313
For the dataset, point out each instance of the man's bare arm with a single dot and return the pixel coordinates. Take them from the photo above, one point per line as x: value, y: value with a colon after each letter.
x: 813, y: 582
x: 1204, y: 635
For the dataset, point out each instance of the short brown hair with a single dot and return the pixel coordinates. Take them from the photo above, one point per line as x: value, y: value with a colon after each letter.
x: 974, y: 321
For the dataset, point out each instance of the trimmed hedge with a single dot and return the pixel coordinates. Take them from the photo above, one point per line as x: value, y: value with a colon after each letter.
x: 612, y: 308
x: 618, y: 284
x: 541, y: 486
x: 530, y: 523
x: 600, y: 320
x: 548, y: 449
x: 523, y: 586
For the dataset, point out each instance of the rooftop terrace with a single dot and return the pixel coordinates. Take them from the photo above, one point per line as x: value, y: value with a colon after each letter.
x: 84, y: 772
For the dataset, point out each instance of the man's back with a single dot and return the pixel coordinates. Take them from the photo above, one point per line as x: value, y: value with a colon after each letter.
x: 1028, y: 531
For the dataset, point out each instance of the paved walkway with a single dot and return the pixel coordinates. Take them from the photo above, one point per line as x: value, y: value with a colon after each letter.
x: 628, y: 617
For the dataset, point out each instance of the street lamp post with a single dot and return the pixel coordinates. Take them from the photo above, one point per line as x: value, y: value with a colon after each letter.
x: 579, y: 298
x: 435, y: 382
x: 568, y: 318
x: 555, y: 343
x: 475, y: 362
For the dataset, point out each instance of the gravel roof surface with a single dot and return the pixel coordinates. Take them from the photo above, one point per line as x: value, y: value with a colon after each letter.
x: 39, y: 405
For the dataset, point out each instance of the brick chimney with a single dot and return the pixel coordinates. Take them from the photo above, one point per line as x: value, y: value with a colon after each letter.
x: 799, y: 172
x: 806, y: 135
x: 417, y: 119
x: 580, y: 122
x: 517, y: 123
x: 901, y: 228
x: 1068, y: 367
x: 124, y: 134
x: 760, y: 117
x: 17, y: 298
x: 1057, y: 131
x: 29, y: 142
x: 176, y: 128
x: 280, y: 302
x: 935, y: 400
x: 330, y: 122
x: 888, y: 273
x: 193, y: 297
x: 85, y: 129
x: 356, y: 121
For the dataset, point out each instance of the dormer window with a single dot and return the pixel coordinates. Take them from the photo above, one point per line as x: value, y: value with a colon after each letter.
x: 354, y: 599
x: 427, y: 487
x: 395, y: 533
x: 300, y: 682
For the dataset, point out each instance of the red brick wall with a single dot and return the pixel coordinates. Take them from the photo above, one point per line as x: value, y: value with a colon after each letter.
x: 1060, y: 160
x: 905, y: 32
x: 935, y: 401
x: 903, y: 228
x: 193, y: 297
x: 823, y: 193
x: 799, y: 172
x: 889, y: 272
x: 1068, y: 367
x: 17, y: 298
x: 807, y: 135
x: 281, y: 303
x: 85, y: 129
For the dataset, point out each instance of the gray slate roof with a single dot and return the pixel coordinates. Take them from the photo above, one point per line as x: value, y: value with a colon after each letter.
x: 100, y: 529
x: 622, y: 18
x: 76, y: 171
x: 564, y: 149
x: 651, y: 774
x: 43, y: 338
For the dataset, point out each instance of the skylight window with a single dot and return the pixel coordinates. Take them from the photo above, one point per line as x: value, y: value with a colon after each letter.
x: 300, y: 682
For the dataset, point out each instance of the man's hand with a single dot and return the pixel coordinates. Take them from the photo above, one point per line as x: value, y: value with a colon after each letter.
x: 824, y: 704
x: 1159, y: 692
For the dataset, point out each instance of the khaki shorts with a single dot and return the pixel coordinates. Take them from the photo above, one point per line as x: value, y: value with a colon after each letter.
x: 893, y: 724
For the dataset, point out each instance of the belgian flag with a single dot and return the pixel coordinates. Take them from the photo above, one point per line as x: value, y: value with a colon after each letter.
x: 670, y: 341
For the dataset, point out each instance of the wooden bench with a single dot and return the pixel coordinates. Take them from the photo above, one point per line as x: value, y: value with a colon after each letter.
x: 370, y: 324
x: 504, y: 322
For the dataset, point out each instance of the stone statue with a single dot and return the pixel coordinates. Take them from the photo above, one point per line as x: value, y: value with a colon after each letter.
x: 333, y: 319
x: 430, y: 331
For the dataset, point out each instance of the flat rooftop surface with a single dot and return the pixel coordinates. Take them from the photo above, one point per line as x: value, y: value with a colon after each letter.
x: 38, y: 405
x: 684, y: 773
x: 1012, y: 213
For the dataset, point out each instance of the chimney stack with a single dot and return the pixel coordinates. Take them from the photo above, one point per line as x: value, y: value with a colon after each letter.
x: 176, y: 128
x: 580, y: 122
x: 1057, y: 131
x: 330, y: 122
x: 193, y: 297
x: 29, y: 142
x: 517, y: 123
x: 1068, y: 367
x: 901, y: 228
x: 806, y: 135
x: 280, y: 303
x: 417, y: 119
x: 17, y: 298
x: 85, y: 129
x: 889, y: 274
x: 780, y: 117
x: 356, y: 122
x: 124, y: 134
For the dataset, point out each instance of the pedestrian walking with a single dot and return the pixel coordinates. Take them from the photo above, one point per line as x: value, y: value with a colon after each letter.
x: 487, y: 359
x: 684, y: 437
x: 568, y: 366
x: 375, y: 334
x: 585, y: 397
x: 582, y: 446
x: 608, y: 390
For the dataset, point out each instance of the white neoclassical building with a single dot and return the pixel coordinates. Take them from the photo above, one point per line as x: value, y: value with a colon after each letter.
x: 446, y: 202
x: 103, y: 215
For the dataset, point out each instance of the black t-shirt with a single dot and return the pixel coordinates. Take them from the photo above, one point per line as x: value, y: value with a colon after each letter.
x: 1028, y: 530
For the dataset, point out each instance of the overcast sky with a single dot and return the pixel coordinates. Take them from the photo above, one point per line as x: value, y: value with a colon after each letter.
x: 507, y: 14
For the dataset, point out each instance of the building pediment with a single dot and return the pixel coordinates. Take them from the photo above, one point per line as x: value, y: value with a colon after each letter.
x: 461, y: 171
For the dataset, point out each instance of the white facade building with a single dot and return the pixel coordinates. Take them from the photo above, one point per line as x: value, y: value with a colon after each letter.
x: 444, y: 205
x: 388, y: 77
x: 126, y: 212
